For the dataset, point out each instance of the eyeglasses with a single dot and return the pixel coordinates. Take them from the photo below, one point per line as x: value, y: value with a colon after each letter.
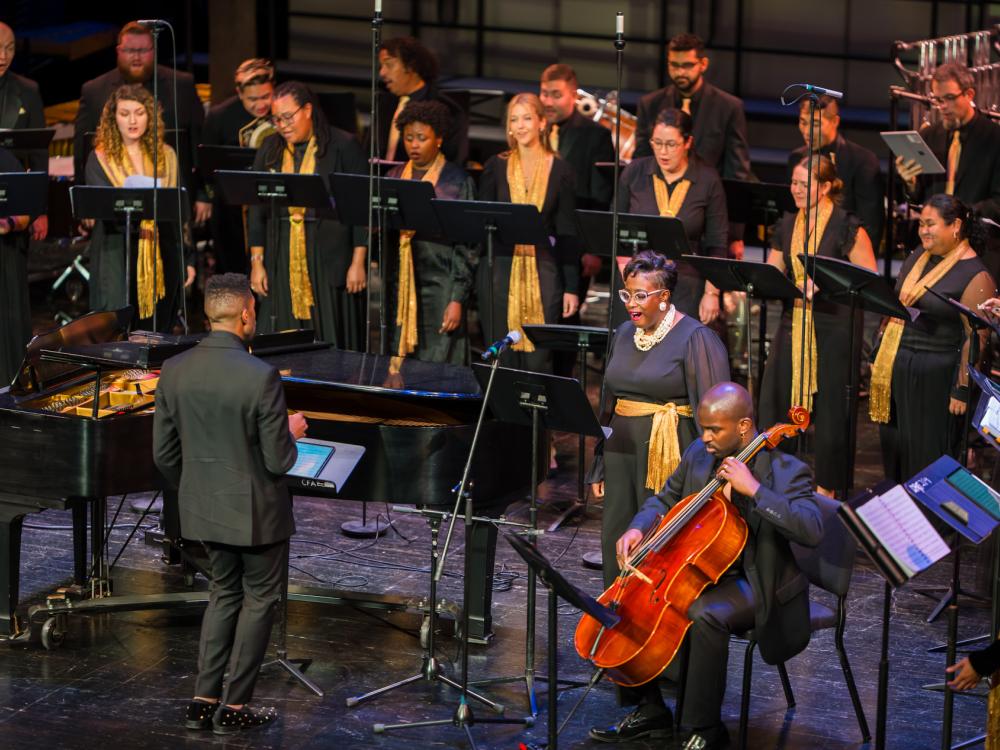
x: 130, y: 51
x: 949, y: 98
x: 641, y: 296
x: 665, y: 145
x: 285, y: 119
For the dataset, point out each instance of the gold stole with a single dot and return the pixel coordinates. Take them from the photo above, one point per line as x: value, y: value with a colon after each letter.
x: 914, y: 286
x: 667, y: 203
x: 406, y: 294
x: 664, y: 452
x: 149, y: 263
x: 298, y: 265
x: 802, y: 320
x: 524, y: 298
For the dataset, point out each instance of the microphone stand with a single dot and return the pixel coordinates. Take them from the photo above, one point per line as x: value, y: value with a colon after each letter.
x: 155, y: 117
x: 619, y: 61
x: 373, y: 186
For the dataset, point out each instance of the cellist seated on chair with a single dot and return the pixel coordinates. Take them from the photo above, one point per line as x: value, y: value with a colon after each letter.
x: 763, y: 590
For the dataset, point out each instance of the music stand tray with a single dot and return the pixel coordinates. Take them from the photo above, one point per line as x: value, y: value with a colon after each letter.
x: 665, y: 234
x: 406, y: 203
x: 27, y: 139
x: 224, y: 158
x: 126, y: 204
x: 757, y: 202
x: 275, y: 189
x: 472, y: 222
x: 24, y: 193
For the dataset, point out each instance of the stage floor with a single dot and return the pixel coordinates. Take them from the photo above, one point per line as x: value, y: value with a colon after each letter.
x: 126, y: 678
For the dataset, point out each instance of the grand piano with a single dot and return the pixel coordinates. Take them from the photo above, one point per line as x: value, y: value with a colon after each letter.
x: 63, y: 447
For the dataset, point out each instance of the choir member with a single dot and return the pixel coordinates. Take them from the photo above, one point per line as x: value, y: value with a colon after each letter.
x: 674, y: 182
x: 315, y: 275
x: 919, y: 381
x: 123, y: 157
x: 530, y: 283
x: 857, y: 167
x: 15, y: 303
x: 432, y: 280
x: 823, y: 372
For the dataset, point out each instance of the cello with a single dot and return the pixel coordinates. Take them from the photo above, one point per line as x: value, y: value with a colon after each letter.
x: 694, y: 543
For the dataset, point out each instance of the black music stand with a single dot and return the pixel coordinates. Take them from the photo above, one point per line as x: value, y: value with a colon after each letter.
x: 275, y: 190
x: 859, y: 289
x: 544, y: 402
x: 579, y: 339
x: 130, y: 204
x: 757, y: 203
x: 212, y: 159
x: 558, y: 588
x: 488, y: 223
x: 760, y: 280
x: 23, y: 193
x: 24, y: 140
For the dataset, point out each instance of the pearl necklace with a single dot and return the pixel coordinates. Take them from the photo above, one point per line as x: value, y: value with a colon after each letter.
x: 646, y: 341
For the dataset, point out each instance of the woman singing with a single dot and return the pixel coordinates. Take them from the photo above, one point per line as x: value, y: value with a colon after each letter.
x: 840, y: 235
x: 919, y: 381
x: 530, y: 283
x: 315, y: 275
x: 674, y: 182
x: 123, y: 157
x: 432, y: 280
x: 661, y: 362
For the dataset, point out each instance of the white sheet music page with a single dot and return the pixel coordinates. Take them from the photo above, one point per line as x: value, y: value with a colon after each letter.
x: 903, y: 530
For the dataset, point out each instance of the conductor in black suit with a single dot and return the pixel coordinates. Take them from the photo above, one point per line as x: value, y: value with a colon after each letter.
x: 857, y: 167
x: 21, y: 107
x: 135, y: 65
x: 764, y: 589
x: 223, y: 436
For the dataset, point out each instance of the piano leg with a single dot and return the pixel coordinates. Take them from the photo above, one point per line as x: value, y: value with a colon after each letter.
x: 483, y: 549
x: 79, y: 508
x: 10, y: 574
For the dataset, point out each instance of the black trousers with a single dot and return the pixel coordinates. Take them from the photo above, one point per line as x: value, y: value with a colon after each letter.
x: 723, y: 609
x: 246, y: 588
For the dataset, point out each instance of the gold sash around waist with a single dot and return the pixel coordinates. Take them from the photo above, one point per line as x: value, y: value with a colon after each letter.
x: 664, y: 446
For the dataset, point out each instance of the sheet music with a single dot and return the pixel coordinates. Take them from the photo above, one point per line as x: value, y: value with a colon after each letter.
x: 991, y: 417
x: 903, y: 530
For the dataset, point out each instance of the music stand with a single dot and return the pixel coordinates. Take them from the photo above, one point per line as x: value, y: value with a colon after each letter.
x: 488, y: 223
x: 274, y: 190
x: 760, y: 280
x: 558, y: 588
x: 544, y: 402
x: 103, y: 203
x: 857, y: 288
x: 757, y: 203
x: 23, y: 140
x: 24, y: 193
x: 212, y: 159
x: 579, y: 339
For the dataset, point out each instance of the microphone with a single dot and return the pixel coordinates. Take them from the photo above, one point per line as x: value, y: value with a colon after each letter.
x: 510, y: 339
x: 154, y: 23
x: 619, y: 30
x: 833, y: 94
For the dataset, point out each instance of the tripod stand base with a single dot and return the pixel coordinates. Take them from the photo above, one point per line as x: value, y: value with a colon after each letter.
x: 359, y: 530
x: 575, y: 507
x: 593, y: 560
x: 944, y: 596
x: 289, y: 665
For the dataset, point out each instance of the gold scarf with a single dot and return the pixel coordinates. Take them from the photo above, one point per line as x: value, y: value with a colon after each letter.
x: 993, y: 713
x: 149, y: 257
x: 803, y: 319
x: 298, y: 265
x: 914, y: 286
x: 524, y: 297
x: 664, y: 448
x: 406, y: 294
x: 667, y: 203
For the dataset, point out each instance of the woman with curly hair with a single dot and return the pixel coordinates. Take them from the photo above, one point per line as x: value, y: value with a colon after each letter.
x: 531, y: 283
x: 432, y: 280
x: 315, y: 276
x: 123, y: 157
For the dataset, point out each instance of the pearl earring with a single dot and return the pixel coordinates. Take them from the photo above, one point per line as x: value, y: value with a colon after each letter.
x: 663, y: 306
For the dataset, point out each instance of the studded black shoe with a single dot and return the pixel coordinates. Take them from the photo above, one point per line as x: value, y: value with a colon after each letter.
x: 199, y: 715
x: 229, y: 720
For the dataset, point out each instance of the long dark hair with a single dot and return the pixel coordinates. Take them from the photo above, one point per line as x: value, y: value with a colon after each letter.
x: 973, y: 230
x: 301, y: 95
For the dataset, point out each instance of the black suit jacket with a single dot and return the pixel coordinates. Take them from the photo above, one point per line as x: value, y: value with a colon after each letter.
x: 720, y: 128
x: 582, y: 143
x: 858, y: 169
x: 224, y: 121
x: 784, y: 510
x: 220, y: 434
x: 190, y: 117
x: 456, y: 142
x: 21, y: 107
x: 977, y: 179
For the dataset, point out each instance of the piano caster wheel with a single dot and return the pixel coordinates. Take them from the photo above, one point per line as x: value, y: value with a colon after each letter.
x: 53, y: 633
